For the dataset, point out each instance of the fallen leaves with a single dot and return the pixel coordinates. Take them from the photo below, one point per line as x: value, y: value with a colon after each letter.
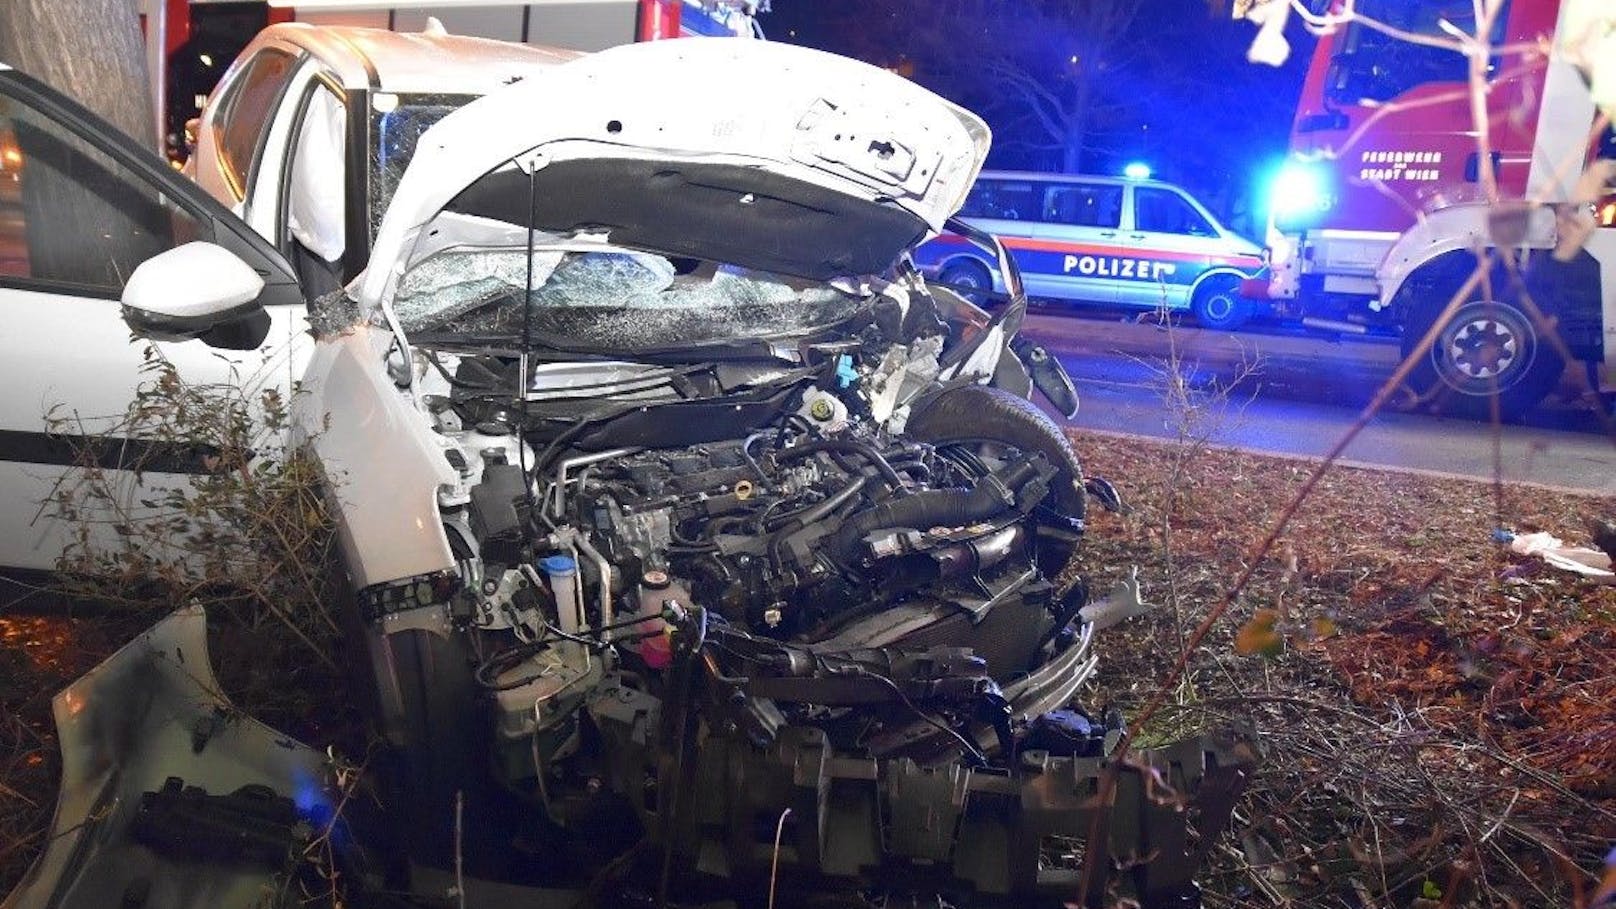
x: 1396, y: 663
x: 1260, y: 636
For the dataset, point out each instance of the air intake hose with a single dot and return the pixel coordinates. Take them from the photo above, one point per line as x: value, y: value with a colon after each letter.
x: 1019, y: 487
x: 978, y: 413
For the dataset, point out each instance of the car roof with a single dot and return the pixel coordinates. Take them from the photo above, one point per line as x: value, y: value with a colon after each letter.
x: 1038, y: 176
x: 428, y: 61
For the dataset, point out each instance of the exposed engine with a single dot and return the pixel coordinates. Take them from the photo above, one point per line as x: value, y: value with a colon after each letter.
x: 705, y: 608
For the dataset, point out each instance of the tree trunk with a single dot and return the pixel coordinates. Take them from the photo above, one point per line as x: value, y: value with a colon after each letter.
x: 1072, y: 151
x: 90, y: 50
x: 1077, y: 123
x: 86, y: 221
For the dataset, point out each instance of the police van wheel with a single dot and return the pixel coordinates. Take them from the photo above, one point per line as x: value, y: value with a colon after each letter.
x: 967, y: 276
x: 1488, y: 347
x: 1219, y: 306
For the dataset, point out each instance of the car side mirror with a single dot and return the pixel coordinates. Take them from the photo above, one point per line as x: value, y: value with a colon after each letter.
x: 198, y: 290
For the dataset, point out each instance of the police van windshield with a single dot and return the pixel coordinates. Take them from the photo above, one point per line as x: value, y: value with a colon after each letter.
x: 1370, y: 65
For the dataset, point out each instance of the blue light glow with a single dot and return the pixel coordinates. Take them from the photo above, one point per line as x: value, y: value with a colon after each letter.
x: 1138, y: 170
x: 1299, y: 189
x: 311, y: 798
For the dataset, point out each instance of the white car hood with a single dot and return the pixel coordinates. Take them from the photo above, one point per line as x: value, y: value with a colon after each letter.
x: 763, y: 155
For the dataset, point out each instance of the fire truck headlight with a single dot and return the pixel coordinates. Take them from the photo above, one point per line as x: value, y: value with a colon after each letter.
x: 1299, y: 195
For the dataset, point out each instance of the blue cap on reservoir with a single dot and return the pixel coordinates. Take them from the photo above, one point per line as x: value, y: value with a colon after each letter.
x: 558, y: 565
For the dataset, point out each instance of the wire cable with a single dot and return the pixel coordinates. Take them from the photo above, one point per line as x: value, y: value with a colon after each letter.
x: 970, y: 748
x: 774, y: 866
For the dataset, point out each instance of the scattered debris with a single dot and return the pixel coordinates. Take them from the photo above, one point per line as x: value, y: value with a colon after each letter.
x: 1553, y: 550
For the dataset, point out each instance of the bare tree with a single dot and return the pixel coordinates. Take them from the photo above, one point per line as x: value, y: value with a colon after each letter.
x: 1056, y: 72
x: 89, y: 49
x: 1057, y: 78
x: 1063, y: 68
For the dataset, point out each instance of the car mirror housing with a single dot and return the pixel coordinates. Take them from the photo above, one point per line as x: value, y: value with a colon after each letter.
x: 198, y: 290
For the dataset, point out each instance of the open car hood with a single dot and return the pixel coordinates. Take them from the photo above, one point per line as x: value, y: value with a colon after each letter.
x: 766, y: 156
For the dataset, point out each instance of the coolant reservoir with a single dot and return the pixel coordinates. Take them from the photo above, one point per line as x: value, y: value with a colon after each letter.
x: 655, y: 589
x: 563, y: 574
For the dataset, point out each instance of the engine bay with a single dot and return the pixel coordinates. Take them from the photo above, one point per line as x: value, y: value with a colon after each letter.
x: 718, y: 621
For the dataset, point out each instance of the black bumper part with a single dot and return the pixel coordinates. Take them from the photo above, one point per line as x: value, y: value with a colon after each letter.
x: 860, y: 823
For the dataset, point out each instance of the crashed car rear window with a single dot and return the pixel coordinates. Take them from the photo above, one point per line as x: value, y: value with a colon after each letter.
x: 612, y: 296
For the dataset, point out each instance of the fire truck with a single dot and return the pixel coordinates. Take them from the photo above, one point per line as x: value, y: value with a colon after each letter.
x: 1380, y: 212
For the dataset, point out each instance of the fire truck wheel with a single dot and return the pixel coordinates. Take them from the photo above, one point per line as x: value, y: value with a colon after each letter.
x: 1487, y: 348
x: 966, y: 276
x: 1218, y: 304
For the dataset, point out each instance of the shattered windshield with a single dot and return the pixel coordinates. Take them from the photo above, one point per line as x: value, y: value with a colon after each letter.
x: 397, y: 122
x: 611, y: 297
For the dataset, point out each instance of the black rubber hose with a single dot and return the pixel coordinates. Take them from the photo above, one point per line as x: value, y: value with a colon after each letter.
x: 818, y: 511
x: 991, y: 496
x: 864, y: 451
x: 975, y: 412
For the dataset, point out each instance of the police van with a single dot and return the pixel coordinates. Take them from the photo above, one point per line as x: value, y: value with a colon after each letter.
x: 1108, y: 241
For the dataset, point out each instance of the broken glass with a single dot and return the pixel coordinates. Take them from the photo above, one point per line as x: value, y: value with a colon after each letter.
x: 447, y: 286
x: 613, y: 298
x: 397, y: 130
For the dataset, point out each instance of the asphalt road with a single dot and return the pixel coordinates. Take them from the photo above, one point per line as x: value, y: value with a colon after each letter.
x: 1297, y: 395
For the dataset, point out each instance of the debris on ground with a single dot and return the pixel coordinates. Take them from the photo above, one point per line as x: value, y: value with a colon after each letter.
x: 1583, y: 560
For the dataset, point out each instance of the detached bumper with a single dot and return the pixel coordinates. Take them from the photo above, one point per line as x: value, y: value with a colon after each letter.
x: 124, y: 834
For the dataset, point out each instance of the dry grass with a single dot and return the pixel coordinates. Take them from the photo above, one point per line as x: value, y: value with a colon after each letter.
x: 246, y: 535
x: 1439, y: 717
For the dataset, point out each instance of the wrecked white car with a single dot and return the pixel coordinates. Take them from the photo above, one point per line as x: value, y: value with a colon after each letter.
x: 697, y: 546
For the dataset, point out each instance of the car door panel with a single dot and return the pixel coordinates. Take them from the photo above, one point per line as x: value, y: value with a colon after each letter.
x: 1009, y: 209
x: 72, y: 372
x: 70, y: 365
x: 1172, y: 240
x: 1076, y: 244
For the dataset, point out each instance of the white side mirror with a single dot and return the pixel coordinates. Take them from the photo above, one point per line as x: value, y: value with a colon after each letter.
x: 191, y: 291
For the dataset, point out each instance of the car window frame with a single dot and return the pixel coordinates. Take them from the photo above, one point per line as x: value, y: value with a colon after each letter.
x: 223, y: 114
x: 1213, y: 231
x: 1036, y: 188
x: 215, y: 223
x: 114, y: 145
x: 1348, y: 48
x: 1052, y: 186
x: 321, y: 79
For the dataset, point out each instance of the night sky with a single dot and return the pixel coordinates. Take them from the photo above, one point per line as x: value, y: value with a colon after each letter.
x: 1182, y: 96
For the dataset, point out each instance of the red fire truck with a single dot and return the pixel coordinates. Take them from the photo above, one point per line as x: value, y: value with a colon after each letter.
x: 1379, y: 213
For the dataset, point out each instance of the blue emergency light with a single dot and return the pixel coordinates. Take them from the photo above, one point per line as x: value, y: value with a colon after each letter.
x: 1299, y: 195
